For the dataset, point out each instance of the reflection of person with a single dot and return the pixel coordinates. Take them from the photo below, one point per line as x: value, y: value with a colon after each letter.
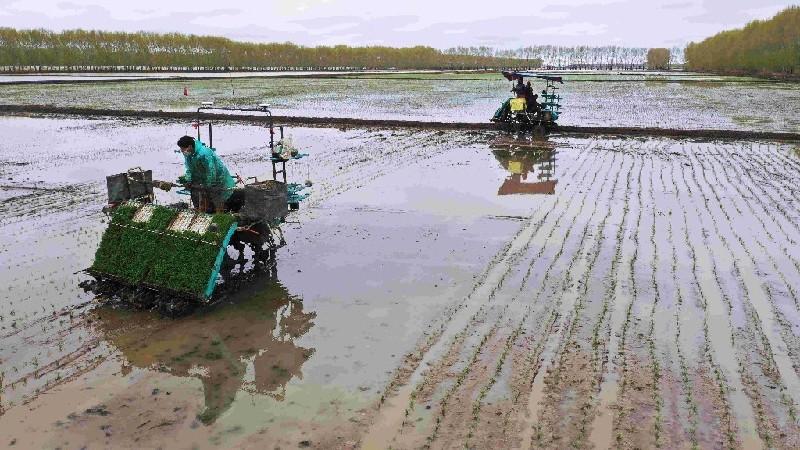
x: 206, y: 176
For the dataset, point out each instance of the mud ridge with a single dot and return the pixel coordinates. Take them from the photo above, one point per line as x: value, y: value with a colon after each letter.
x: 382, y: 123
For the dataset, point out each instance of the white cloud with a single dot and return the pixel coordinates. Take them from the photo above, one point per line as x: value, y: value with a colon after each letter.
x: 570, y: 29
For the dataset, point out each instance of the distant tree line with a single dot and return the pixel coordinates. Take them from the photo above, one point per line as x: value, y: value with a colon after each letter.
x: 611, y: 57
x: 763, y: 47
x: 80, y: 50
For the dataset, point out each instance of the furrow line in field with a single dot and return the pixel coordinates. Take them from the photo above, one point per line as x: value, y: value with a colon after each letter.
x: 634, y: 293
x: 561, y: 251
x: 772, y: 183
x: 424, y: 390
x: 774, y: 166
x: 555, y: 226
x: 759, y: 193
x: 753, y: 324
x: 498, y: 367
x: 521, y: 323
x: 580, y: 208
x: 531, y: 364
x: 765, y: 306
x: 571, y: 314
x: 710, y: 404
x: 608, y: 386
x: 639, y: 418
x: 719, y: 339
x: 497, y: 270
x: 676, y: 420
x: 443, y: 403
x: 786, y: 158
x: 786, y: 328
x: 651, y: 338
x: 547, y: 322
x: 690, y: 330
x: 683, y: 369
x: 437, y: 379
x: 793, y: 160
x: 542, y: 205
x: 725, y: 415
x: 543, y: 325
x: 512, y: 248
x: 596, y: 363
x: 722, y: 168
x: 439, y: 329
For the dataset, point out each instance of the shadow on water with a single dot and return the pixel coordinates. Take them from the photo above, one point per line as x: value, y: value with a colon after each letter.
x: 531, y: 164
x: 246, y: 342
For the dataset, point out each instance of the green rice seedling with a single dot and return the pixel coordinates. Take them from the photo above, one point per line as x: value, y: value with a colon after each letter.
x: 149, y: 252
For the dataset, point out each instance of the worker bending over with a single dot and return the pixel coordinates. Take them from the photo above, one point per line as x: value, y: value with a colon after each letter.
x: 206, y: 177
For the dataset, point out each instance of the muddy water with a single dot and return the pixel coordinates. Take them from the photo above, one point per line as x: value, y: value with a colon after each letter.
x: 438, y: 288
x: 683, y: 101
x: 390, y: 240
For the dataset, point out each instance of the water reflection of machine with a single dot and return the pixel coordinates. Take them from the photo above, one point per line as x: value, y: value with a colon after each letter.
x: 253, y: 334
x: 527, y: 160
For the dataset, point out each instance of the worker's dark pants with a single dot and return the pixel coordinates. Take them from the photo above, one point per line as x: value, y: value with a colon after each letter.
x: 214, y: 199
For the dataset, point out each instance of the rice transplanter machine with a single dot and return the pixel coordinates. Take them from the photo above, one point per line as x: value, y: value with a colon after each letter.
x: 173, y: 255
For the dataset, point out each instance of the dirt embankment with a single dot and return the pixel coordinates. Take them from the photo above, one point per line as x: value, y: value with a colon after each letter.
x: 773, y: 76
x: 339, y: 122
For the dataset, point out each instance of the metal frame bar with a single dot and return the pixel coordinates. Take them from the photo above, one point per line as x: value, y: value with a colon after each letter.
x: 270, y: 126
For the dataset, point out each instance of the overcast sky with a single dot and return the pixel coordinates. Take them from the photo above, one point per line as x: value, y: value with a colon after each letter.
x: 437, y: 23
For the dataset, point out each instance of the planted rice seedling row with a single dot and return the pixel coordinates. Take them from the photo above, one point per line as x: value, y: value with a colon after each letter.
x: 606, y: 353
x: 516, y: 257
x: 548, y: 239
x: 586, y: 249
x: 753, y: 323
x: 760, y: 306
x: 496, y: 272
x: 719, y: 346
x: 566, y: 349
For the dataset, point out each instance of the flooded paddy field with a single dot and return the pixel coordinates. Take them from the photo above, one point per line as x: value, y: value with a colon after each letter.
x: 437, y: 289
x: 674, y: 100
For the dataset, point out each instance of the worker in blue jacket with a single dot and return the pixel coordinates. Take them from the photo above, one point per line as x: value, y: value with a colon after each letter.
x: 209, y: 181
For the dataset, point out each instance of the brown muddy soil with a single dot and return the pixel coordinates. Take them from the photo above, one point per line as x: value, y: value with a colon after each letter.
x: 348, y: 122
x: 428, y: 297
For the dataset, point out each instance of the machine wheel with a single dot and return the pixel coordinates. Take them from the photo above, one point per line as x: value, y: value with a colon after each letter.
x: 539, y: 130
x: 264, y: 247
